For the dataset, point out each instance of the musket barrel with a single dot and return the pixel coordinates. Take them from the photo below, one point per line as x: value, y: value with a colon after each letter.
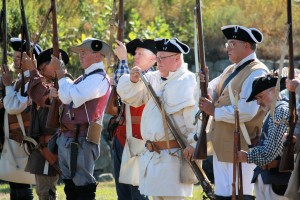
x: 287, y: 159
x: 201, y: 146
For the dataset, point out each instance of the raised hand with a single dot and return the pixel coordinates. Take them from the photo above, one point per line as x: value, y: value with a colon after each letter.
x: 27, y: 62
x: 120, y: 50
x: 135, y: 74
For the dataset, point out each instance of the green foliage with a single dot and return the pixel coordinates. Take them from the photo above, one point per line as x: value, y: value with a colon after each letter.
x: 78, y: 19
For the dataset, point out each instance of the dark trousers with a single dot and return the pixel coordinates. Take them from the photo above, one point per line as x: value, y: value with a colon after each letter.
x: 124, y: 191
x: 245, y: 197
x: 19, y: 191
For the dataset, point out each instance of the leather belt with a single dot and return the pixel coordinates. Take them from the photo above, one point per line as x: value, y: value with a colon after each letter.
x: 69, y: 130
x: 73, y: 127
x: 161, y: 145
x: 16, y: 125
x: 272, y: 165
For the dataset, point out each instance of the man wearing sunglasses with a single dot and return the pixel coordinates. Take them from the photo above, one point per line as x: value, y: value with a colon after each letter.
x: 241, y: 46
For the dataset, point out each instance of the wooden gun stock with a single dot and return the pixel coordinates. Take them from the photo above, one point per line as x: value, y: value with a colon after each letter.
x: 237, y: 147
x: 201, y: 146
x: 287, y: 159
x: 53, y: 114
x: 112, y: 105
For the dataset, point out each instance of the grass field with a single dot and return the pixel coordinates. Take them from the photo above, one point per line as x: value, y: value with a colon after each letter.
x: 105, y: 191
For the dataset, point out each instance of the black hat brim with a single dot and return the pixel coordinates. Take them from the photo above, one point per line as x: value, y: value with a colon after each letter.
x: 261, y: 84
x: 140, y: 43
x: 45, y: 56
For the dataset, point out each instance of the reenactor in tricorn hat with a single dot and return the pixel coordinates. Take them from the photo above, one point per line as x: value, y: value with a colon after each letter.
x: 241, y: 46
x: 144, y: 52
x: 84, y: 101
x: 269, y: 182
x: 163, y: 167
x: 16, y: 103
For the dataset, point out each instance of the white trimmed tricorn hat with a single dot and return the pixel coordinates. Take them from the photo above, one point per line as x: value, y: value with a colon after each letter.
x: 171, y: 45
x: 237, y: 32
x: 17, y: 45
x: 93, y: 44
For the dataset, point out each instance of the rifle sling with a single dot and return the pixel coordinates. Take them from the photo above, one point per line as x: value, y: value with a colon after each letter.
x: 233, y: 74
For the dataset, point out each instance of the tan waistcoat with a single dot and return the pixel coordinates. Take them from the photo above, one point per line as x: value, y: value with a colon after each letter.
x: 222, y: 132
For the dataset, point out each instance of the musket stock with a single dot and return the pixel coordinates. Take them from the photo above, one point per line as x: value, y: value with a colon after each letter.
x: 201, y: 146
x: 287, y: 159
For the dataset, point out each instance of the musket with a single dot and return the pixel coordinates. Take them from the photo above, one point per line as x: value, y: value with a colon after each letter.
x: 201, y: 146
x: 287, y: 159
x: 53, y: 114
x: 114, y: 106
x: 197, y: 169
x: 4, y: 38
x: 237, y: 147
x: 4, y: 68
x: 25, y: 35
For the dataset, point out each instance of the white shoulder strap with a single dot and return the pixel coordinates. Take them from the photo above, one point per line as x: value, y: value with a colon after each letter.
x: 242, y: 124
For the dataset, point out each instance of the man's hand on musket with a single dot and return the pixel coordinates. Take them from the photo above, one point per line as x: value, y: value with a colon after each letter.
x: 27, y: 62
x: 242, y: 156
x: 291, y: 85
x: 135, y: 74
x: 120, y: 50
x: 207, y: 106
x: 6, y: 77
x: 202, y: 75
x: 188, y: 152
x: 58, y: 66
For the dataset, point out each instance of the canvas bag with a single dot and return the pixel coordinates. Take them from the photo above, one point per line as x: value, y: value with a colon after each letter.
x: 14, y: 158
x: 130, y: 164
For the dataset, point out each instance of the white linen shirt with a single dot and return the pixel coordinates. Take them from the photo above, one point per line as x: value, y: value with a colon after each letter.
x: 160, y: 173
x: 13, y: 102
x: 93, y: 86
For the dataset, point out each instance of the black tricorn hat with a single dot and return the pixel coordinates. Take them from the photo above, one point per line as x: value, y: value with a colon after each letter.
x: 251, y: 35
x: 16, y: 45
x: 263, y: 83
x: 45, y: 56
x: 171, y: 45
x: 141, y: 43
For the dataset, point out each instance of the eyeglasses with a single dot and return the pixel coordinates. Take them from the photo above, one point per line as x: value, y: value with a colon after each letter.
x: 164, y: 57
x: 231, y: 44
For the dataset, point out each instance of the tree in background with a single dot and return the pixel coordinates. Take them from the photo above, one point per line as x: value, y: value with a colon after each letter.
x: 78, y: 19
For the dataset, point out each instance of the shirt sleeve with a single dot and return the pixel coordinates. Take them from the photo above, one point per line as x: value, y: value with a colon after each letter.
x: 93, y: 86
x: 13, y: 102
x: 247, y: 110
x: 122, y: 69
x: 273, y: 144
